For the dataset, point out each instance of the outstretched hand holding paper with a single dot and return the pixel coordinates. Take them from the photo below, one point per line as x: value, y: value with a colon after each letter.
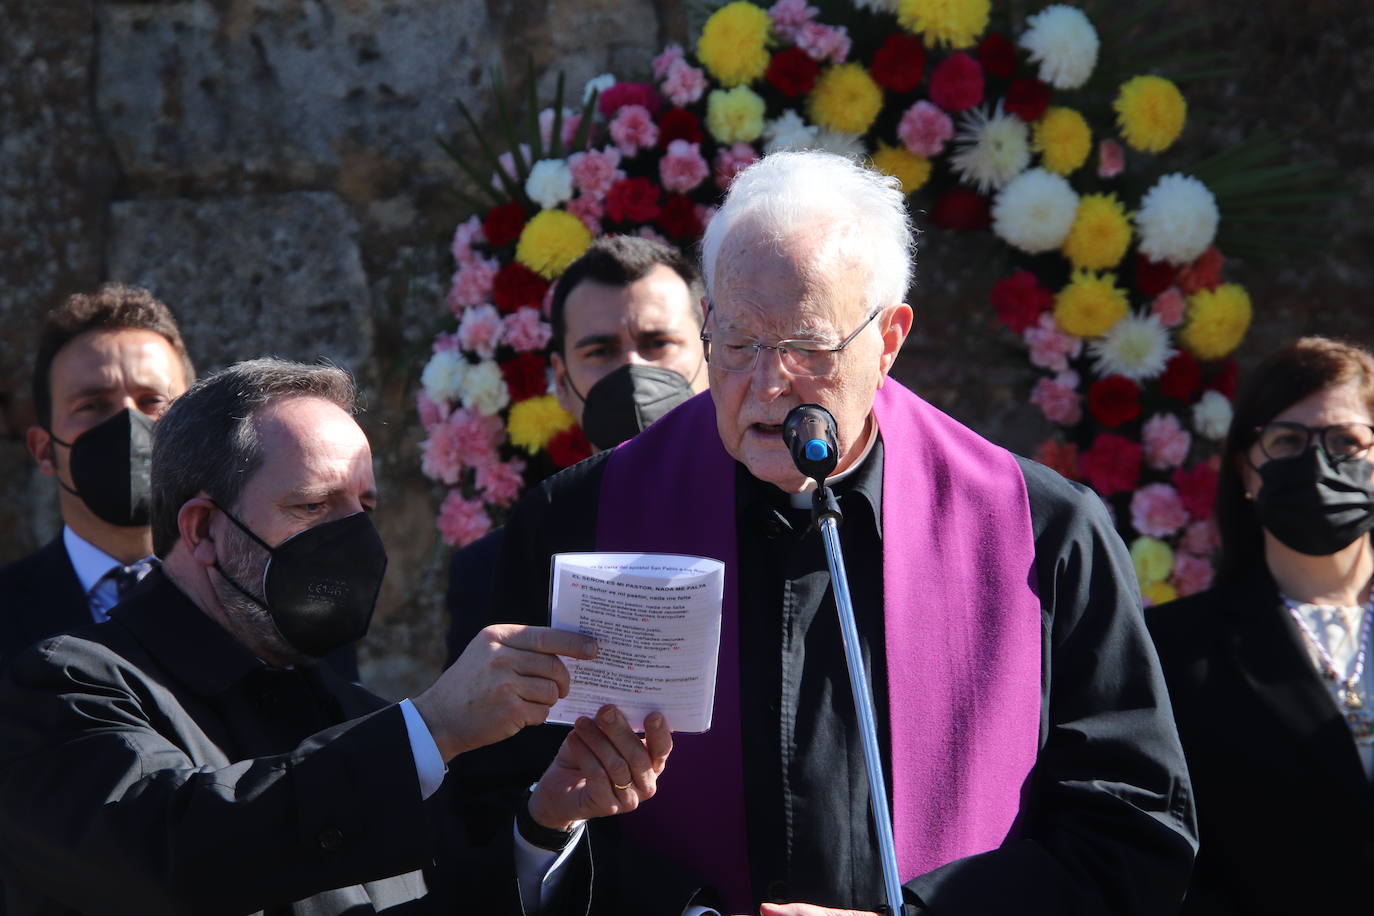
x: 656, y: 619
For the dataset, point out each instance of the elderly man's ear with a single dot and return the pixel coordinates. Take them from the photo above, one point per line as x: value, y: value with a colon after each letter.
x: 896, y: 326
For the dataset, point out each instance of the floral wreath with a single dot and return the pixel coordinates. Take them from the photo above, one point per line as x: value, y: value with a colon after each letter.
x: 1118, y: 295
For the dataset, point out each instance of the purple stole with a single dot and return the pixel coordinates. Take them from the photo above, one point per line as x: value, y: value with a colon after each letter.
x: 962, y: 634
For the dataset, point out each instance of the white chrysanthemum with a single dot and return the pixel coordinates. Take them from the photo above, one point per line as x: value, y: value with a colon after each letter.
x: 442, y: 377
x: 789, y: 132
x: 1064, y: 43
x: 851, y: 146
x: 1212, y: 415
x: 1035, y: 211
x: 1136, y: 347
x: 483, y: 389
x: 1177, y: 220
x: 598, y: 84
x: 990, y: 149
x: 550, y: 183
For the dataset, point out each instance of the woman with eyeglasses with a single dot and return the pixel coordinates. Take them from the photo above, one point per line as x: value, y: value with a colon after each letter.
x: 1269, y: 670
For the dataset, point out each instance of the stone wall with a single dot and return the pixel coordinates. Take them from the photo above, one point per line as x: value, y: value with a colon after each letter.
x: 269, y: 168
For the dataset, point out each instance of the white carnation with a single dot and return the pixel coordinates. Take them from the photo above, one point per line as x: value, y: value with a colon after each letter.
x: 483, y: 389
x: 1035, y: 211
x: 991, y: 148
x: 550, y: 183
x: 851, y: 146
x: 598, y: 84
x: 1177, y: 220
x: 789, y: 132
x: 879, y: 6
x: 1064, y: 43
x: 442, y: 377
x: 1212, y: 415
x: 1136, y: 347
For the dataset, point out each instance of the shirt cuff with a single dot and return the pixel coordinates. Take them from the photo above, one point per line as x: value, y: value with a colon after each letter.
x: 540, y: 870
x: 429, y: 763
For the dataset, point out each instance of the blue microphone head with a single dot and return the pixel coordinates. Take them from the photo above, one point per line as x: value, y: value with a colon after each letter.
x: 810, y: 435
x: 816, y: 450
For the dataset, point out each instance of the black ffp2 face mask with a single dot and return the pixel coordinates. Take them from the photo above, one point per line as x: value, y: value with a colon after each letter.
x: 109, y: 465
x: 623, y: 403
x: 1313, y: 506
x: 320, y: 585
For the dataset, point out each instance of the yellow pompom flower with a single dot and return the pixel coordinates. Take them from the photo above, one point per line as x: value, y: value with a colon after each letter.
x: 534, y: 421
x: 1150, y: 112
x: 734, y: 115
x: 551, y: 241
x: 846, y: 99
x: 1217, y: 319
x: 1063, y: 140
x: 1153, y: 560
x: 733, y: 44
x: 911, y: 170
x: 1160, y: 593
x: 956, y: 23
x: 1090, y: 304
x: 1100, y: 234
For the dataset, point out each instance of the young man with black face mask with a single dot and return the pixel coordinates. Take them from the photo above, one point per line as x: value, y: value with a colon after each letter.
x: 107, y: 366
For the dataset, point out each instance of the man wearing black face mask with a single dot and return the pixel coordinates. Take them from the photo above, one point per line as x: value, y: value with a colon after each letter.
x: 626, y: 344
x: 107, y: 366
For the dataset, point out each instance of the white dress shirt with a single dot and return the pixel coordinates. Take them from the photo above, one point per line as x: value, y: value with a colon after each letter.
x: 93, y: 567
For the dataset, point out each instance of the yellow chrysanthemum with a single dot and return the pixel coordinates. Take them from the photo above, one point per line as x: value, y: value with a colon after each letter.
x: 1217, y: 320
x: 1100, y: 235
x: 1160, y: 593
x: 534, y: 421
x: 551, y: 241
x: 1063, y: 140
x: 1150, y: 112
x: 734, y: 115
x: 956, y: 23
x: 846, y: 99
x: 733, y: 44
x: 1153, y: 561
x: 1090, y: 304
x: 911, y: 170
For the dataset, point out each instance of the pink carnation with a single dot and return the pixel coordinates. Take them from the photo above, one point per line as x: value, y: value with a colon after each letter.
x: 1201, y: 537
x: 595, y: 171
x: 480, y: 331
x: 681, y: 169
x: 685, y: 83
x: 431, y: 413
x: 925, y: 129
x: 1111, y: 159
x: 664, y: 62
x: 446, y: 343
x: 506, y: 163
x: 465, y: 236
x: 1157, y: 511
x: 823, y: 42
x: 567, y: 129
x: 1192, y: 573
x: 1166, y: 441
x: 730, y: 161
x: 463, y: 439
x: 439, y: 456
x: 472, y: 283
x: 501, y: 481
x: 1058, y: 398
x: 589, y: 209
x: 1169, y: 307
x: 789, y: 16
x: 526, y: 331
x: 462, y: 521
x: 1050, y: 347
x: 633, y: 129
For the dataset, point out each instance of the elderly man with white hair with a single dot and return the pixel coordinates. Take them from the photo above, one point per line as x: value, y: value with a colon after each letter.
x: 1025, y: 730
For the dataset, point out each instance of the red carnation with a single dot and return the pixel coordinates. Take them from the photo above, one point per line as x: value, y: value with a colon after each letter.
x: 792, y: 72
x: 1152, y: 277
x: 1197, y: 487
x: 1114, y: 400
x: 678, y: 124
x: 525, y: 376
x: 1204, y: 273
x: 900, y: 63
x: 678, y: 217
x: 633, y: 200
x: 515, y: 285
x: 1225, y: 378
x: 1181, y: 377
x: 997, y: 55
x: 621, y: 94
x: 569, y: 447
x: 1112, y: 464
x: 962, y: 210
x: 1027, y: 98
x: 956, y: 83
x: 502, y: 224
x: 1020, y: 300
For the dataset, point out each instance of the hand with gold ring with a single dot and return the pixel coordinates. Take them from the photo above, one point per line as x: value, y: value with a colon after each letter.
x: 602, y: 768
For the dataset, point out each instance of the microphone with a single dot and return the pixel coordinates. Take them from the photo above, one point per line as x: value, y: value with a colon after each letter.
x: 810, y: 434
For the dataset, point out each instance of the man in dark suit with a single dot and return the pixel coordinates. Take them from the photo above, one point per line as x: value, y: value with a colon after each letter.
x: 191, y: 755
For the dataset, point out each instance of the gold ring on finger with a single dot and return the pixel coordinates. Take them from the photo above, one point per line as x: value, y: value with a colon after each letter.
x: 626, y: 786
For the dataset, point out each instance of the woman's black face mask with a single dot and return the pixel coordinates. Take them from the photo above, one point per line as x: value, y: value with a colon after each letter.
x: 1314, y: 506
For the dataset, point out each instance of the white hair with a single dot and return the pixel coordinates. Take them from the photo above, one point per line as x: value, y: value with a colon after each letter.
x: 787, y: 194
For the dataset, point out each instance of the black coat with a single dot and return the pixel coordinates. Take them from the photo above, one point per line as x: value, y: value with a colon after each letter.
x: 40, y: 596
x: 1285, y: 810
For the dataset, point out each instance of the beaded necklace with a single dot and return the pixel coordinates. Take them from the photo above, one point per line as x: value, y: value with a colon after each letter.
x: 1348, y: 689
